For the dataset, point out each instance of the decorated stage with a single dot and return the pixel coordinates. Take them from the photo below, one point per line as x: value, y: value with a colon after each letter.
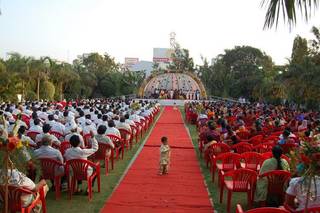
x: 170, y: 102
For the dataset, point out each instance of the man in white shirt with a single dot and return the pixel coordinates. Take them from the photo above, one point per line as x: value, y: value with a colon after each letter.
x: 89, y: 127
x: 47, y: 151
x: 81, y: 120
x: 46, y: 129
x: 112, y: 130
x: 123, y: 125
x: 56, y: 126
x: 104, y: 120
x: 36, y: 126
x: 74, y: 131
x: 75, y: 152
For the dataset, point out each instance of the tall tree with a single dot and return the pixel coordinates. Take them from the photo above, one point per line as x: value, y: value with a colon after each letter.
x: 288, y: 9
x: 299, y: 50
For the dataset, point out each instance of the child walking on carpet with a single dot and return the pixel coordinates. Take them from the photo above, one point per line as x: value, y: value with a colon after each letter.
x: 164, y: 156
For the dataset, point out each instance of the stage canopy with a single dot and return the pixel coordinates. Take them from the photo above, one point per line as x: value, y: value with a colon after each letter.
x: 173, y: 85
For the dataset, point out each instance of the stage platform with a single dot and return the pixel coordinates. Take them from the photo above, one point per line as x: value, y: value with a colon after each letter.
x: 170, y: 102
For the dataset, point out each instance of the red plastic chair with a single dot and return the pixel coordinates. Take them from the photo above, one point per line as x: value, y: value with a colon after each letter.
x: 242, y: 147
x: 14, y: 196
x: 215, y: 150
x: 251, y: 160
x: 86, y: 139
x: 25, y: 118
x: 79, y: 169
x: 58, y: 135
x: 48, y: 172
x: 286, y: 148
x: 261, y: 210
x: 140, y: 128
x: 135, y: 133
x: 277, y: 179
x: 64, y: 146
x: 243, y: 135
x: 264, y: 147
x: 119, y: 143
x: 101, y: 155
x: 33, y: 135
x: 240, y: 180
x: 226, y: 162
x: 255, y: 140
x: 126, y: 137
x: 193, y: 118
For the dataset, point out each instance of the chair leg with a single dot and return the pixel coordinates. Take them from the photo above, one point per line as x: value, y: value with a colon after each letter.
x: 106, y: 163
x: 122, y: 153
x: 89, y: 188
x: 57, y: 182
x: 72, y: 186
x: 229, y: 200
x: 213, y: 172
x: 221, y: 193
x: 99, y: 181
x: 249, y: 199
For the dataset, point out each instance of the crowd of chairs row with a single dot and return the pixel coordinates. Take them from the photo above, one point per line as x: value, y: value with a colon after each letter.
x: 238, y: 165
x: 79, y: 167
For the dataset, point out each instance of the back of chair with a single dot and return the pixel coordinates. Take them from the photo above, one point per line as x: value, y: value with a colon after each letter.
x: 64, y: 146
x: 277, y: 180
x: 252, y: 160
x: 79, y: 168
x: 263, y: 147
x: 219, y: 148
x: 101, y: 153
x: 14, y: 196
x: 242, y: 147
x: 242, y: 179
x: 33, y: 135
x: 86, y: 139
x: 48, y: 168
x: 255, y: 140
x: 117, y: 141
x: 125, y: 134
x: 243, y: 135
x: 58, y: 135
x: 229, y: 161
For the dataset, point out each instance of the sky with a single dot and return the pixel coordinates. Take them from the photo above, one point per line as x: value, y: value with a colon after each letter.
x: 64, y: 29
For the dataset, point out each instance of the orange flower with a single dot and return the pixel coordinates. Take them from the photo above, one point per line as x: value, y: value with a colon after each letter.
x: 12, y: 144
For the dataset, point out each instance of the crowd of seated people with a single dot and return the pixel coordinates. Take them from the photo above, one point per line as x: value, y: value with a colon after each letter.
x: 176, y: 94
x: 46, y: 128
x: 267, y: 132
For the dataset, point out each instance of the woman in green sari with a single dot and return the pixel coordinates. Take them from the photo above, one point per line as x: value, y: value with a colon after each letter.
x: 274, y: 163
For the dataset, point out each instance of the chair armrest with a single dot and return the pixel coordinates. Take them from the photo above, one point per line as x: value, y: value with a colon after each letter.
x: 239, y: 209
x: 289, y: 208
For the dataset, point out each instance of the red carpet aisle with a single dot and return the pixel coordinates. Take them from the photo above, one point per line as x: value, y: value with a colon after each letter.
x: 143, y: 190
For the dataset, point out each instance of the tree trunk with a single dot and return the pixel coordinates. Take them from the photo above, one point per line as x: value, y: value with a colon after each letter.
x: 22, y: 91
x: 38, y: 88
x: 61, y: 92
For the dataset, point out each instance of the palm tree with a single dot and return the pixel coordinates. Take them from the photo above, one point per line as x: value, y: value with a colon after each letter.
x: 288, y: 9
x: 19, y: 65
x: 39, y: 71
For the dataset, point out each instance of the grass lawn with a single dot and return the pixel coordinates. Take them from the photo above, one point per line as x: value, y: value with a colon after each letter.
x: 213, y: 188
x: 80, y: 203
